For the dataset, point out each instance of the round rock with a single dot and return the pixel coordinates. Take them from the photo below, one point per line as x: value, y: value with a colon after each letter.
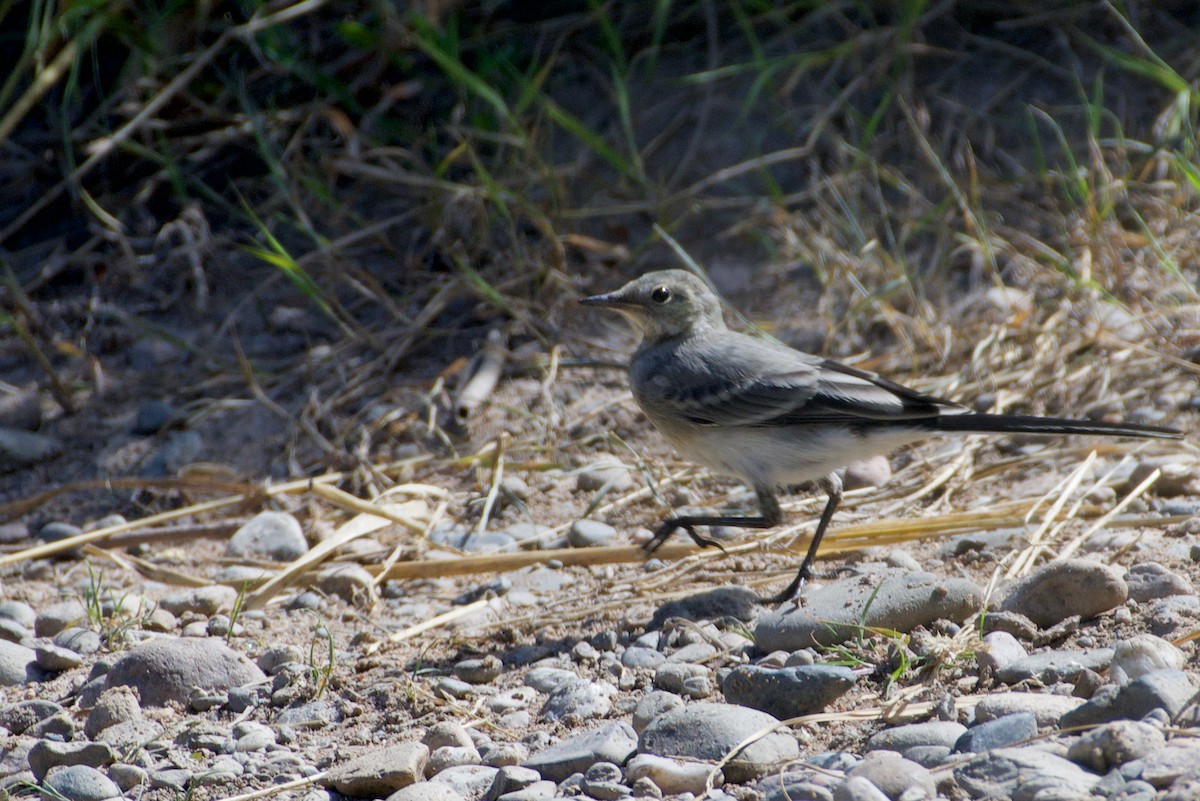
x: 167, y: 670
x: 1061, y: 589
x: 269, y: 535
x: 891, y: 599
x: 710, y: 731
x: 79, y: 783
x: 787, y: 692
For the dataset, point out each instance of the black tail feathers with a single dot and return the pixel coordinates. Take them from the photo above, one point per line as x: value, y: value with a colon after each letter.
x: 1030, y: 424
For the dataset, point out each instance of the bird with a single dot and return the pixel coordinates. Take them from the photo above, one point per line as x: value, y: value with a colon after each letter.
x: 774, y: 416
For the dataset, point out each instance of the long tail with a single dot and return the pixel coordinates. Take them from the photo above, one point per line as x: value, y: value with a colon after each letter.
x: 1030, y: 424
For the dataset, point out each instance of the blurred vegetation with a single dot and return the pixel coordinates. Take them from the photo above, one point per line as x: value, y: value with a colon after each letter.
x: 888, y: 155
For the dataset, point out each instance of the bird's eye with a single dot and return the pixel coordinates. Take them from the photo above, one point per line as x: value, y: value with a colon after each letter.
x: 660, y: 295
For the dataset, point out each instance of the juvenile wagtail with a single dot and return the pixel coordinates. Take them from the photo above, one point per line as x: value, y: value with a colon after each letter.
x: 773, y: 416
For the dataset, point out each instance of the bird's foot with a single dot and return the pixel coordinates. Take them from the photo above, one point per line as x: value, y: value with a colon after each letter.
x: 666, y: 529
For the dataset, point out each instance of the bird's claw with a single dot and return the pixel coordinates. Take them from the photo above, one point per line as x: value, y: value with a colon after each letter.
x: 666, y: 529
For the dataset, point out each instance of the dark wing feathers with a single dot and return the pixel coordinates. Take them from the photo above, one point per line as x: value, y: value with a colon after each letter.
x: 758, y: 384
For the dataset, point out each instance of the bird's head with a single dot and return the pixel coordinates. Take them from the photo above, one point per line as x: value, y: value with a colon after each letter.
x: 665, y: 304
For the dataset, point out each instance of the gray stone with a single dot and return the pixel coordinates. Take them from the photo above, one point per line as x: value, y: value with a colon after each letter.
x: 18, y: 665
x: 168, y: 669
x: 18, y: 612
x: 538, y: 791
x: 1000, y: 649
x: 901, y: 738
x: 174, y: 779
x: 787, y: 692
x: 1114, y: 744
x: 58, y: 616
x: 478, y: 671
x: 469, y: 781
x: 82, y: 641
x: 378, y: 773
x: 501, y: 755
x: 636, y: 656
x: 1142, y: 654
x: 1064, y: 588
x: 511, y: 778
x: 672, y: 776
x: 54, y: 658
x: 1173, y: 615
x: 20, y: 716
x: 579, y: 700
x: 115, y: 705
x: 269, y: 535
x: 128, y: 777
x: 1150, y: 581
x: 999, y: 773
x: 46, y: 755
x: 205, y: 601
x: 1051, y: 667
x: 426, y: 791
x: 612, y: 742
x: 739, y: 603
x: 998, y: 733
x: 450, y: 756
x: 591, y: 534
x: 549, y: 679
x: 651, y: 705
x: 79, y: 783
x: 447, y: 733
x: 710, y: 731
x: 1046, y: 708
x: 1169, y: 690
x: 130, y: 734
x: 895, y: 600
x: 1180, y: 758
x: 684, y: 679
x: 874, y: 471
x: 608, y: 472
x: 893, y: 774
x: 859, y: 788
x: 21, y: 449
x: 350, y: 582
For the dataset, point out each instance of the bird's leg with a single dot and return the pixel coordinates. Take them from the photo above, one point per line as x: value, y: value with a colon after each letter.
x: 832, y: 484
x: 771, y: 516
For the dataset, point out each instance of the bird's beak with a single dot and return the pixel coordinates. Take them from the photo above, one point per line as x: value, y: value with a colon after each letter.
x: 612, y: 300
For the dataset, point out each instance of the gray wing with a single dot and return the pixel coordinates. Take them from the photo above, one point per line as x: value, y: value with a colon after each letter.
x: 741, y: 381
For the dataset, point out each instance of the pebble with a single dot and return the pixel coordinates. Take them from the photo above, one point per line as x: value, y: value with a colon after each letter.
x: 380, y: 772
x: 115, y: 705
x: 590, y: 534
x: 1050, y: 667
x: 166, y: 670
x: 1178, y: 759
x: 45, y: 755
x: 872, y: 472
x: 1064, y: 588
x: 999, y: 773
x: 607, y: 472
x: 79, y: 783
x: 1113, y: 744
x: 858, y: 788
x: 469, y: 781
x: 268, y: 535
x: 684, y: 679
x: 1150, y: 581
x: 22, y: 449
x: 651, y: 705
x: 130, y: 734
x: 895, y: 600
x: 58, y: 616
x: 18, y: 717
x: 1169, y: 690
x: 128, y: 777
x: 18, y: 612
x: 1000, y: 649
x: 1173, y: 615
x: 710, y: 731
x: 579, y: 700
x: 426, y: 791
x: 636, y: 656
x: 997, y: 733
x: 510, y: 779
x: 54, y: 658
x: 1047, y: 709
x: 350, y: 582
x: 549, y: 679
x: 901, y: 738
x: 478, y: 671
x: 787, y: 692
x: 205, y: 601
x: 671, y: 776
x: 1142, y: 654
x: 739, y: 603
x: 611, y: 742
x: 499, y: 755
x: 18, y: 664
x: 450, y: 756
x: 82, y: 641
x: 894, y: 775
